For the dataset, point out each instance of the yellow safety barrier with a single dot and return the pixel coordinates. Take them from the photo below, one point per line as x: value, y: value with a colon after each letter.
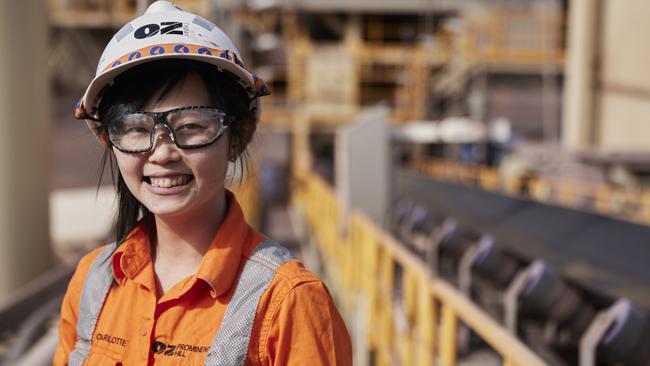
x: 409, y: 317
x: 629, y: 204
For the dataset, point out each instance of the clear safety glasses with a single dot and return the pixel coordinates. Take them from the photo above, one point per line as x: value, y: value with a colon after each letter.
x: 188, y: 127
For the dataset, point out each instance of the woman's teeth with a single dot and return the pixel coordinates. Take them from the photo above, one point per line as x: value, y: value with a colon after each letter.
x: 169, y: 182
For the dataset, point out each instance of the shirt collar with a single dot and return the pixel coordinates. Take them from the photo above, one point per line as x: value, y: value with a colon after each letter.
x: 234, y: 241
x: 133, y: 255
x: 220, y: 265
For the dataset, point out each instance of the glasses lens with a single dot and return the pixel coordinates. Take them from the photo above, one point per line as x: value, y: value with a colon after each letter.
x: 131, y: 132
x: 196, y: 126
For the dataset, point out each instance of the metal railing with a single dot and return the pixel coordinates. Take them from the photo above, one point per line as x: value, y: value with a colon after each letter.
x: 409, y: 317
x: 515, y: 38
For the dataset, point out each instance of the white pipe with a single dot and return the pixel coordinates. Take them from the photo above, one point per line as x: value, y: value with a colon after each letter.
x: 578, y: 125
x: 24, y: 144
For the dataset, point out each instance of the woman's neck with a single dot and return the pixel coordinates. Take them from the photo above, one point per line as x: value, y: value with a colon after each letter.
x: 181, y: 242
x: 184, y: 239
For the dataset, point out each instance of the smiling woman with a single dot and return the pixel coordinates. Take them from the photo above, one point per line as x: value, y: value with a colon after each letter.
x: 187, y: 280
x: 214, y: 98
x: 180, y: 188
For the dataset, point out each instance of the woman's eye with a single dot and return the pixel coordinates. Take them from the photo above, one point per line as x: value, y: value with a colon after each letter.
x: 191, y: 127
x: 136, y: 129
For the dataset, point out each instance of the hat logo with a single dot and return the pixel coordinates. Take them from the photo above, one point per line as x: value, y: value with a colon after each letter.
x: 156, y: 50
x: 150, y: 30
x: 135, y: 55
x: 181, y: 48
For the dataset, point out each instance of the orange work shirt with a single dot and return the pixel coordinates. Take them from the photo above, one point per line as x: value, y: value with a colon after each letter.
x: 296, y: 321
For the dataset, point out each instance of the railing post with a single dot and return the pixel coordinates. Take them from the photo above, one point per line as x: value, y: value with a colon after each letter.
x: 425, y: 323
x: 448, y: 336
x: 409, y: 293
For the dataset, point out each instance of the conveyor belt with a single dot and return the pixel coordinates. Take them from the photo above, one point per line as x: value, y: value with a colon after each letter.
x: 606, y: 256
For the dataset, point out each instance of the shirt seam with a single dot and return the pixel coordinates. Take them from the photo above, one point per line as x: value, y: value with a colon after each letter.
x: 268, y: 320
x: 287, y: 287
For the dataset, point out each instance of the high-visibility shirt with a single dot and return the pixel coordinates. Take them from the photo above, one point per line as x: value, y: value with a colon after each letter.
x: 296, y: 321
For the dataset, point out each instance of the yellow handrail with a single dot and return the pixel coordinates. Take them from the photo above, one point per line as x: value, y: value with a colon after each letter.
x: 375, y: 275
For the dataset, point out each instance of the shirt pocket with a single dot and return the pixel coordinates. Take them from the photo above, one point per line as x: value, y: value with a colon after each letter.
x: 102, y: 357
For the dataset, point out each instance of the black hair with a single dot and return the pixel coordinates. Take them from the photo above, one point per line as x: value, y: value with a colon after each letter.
x: 133, y: 88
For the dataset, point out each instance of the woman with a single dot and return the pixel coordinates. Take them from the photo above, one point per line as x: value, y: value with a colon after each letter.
x: 187, y: 282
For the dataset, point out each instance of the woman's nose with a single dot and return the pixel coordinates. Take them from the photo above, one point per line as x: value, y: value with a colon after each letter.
x: 164, y: 148
x: 161, y: 130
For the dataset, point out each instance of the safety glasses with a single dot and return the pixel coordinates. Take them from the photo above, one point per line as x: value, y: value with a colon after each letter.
x: 188, y: 127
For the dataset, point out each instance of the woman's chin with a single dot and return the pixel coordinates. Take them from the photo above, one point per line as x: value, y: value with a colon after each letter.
x: 183, y: 207
x: 171, y: 206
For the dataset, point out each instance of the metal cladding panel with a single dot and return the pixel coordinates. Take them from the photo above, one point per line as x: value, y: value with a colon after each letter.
x: 362, y: 164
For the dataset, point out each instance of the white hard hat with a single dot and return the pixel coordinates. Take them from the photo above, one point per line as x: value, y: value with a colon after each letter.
x: 165, y: 31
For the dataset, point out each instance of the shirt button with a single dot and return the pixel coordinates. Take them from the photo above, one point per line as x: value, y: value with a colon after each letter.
x: 143, y: 331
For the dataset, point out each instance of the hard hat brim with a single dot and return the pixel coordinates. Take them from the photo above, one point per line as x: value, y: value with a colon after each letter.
x: 89, y: 99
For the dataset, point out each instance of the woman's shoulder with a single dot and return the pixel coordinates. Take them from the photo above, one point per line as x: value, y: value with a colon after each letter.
x: 76, y: 284
x: 299, y: 303
x: 88, y: 258
x: 290, y: 272
x: 294, y: 272
x: 294, y: 287
x: 294, y: 281
x: 83, y: 266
